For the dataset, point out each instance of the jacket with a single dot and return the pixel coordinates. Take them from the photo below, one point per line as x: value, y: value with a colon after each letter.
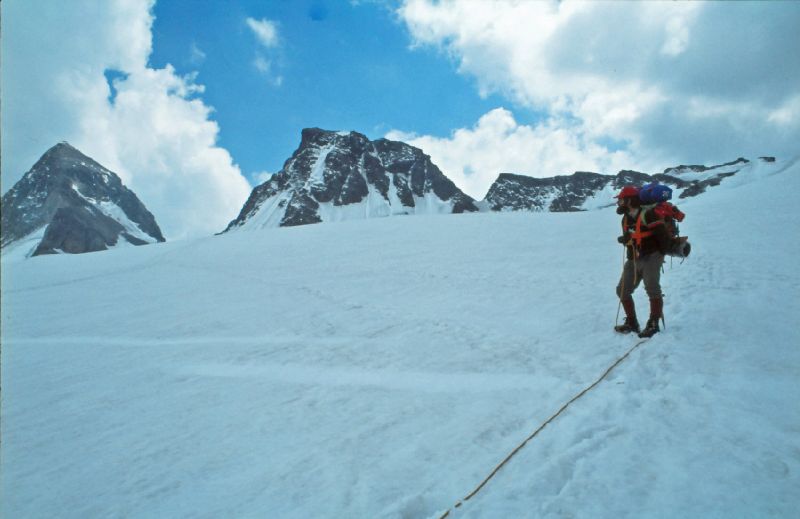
x: 645, y: 233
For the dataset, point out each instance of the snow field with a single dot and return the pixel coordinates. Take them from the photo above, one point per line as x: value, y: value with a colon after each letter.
x: 383, y: 368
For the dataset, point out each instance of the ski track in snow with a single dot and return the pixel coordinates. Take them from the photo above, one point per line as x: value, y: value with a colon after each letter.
x: 383, y: 368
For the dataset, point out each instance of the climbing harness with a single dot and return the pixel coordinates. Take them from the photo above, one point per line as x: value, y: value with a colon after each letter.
x: 638, y: 234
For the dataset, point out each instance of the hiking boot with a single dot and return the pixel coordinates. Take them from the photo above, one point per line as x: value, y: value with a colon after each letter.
x: 650, y: 329
x: 630, y: 325
x: 656, y: 313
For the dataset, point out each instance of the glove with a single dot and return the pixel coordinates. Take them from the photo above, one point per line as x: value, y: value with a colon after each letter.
x: 625, y: 238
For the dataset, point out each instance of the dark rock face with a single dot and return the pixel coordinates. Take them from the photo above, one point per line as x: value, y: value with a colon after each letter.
x: 571, y: 193
x: 332, y: 172
x: 697, y: 187
x: 82, y: 205
x: 76, y: 230
x: 690, y: 187
x: 557, y: 194
x: 301, y: 210
x: 700, y: 169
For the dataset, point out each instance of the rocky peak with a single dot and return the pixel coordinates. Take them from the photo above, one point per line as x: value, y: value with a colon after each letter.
x: 343, y: 175
x: 74, y: 204
x: 310, y: 137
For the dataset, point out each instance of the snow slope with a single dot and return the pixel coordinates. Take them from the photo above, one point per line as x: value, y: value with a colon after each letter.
x: 383, y: 368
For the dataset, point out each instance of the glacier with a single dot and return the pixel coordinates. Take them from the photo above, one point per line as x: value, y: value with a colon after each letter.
x: 382, y: 368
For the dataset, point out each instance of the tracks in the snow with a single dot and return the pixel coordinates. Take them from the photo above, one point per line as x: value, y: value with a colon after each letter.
x: 541, y: 427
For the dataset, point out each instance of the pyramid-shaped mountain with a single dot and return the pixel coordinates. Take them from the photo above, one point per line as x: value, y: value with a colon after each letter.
x: 336, y: 176
x: 69, y: 203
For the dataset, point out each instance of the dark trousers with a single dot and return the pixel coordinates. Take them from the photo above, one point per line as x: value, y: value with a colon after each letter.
x: 647, y: 269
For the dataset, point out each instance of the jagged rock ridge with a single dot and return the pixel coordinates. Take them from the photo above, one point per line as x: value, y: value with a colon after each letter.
x: 69, y: 203
x: 585, y: 190
x: 343, y: 175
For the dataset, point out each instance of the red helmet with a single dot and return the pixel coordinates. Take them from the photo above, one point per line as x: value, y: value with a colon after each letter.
x: 628, y: 192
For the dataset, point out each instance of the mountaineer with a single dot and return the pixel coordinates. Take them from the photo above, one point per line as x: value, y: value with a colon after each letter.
x: 647, y: 241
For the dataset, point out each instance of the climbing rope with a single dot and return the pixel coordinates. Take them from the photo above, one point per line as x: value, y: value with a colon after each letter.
x: 539, y: 429
x: 622, y: 285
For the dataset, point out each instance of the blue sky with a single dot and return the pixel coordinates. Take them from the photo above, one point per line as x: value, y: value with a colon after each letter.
x: 192, y: 103
x: 341, y: 67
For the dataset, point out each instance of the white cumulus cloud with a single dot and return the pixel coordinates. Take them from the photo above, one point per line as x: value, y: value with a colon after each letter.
x: 473, y: 157
x: 658, y: 83
x: 155, y: 132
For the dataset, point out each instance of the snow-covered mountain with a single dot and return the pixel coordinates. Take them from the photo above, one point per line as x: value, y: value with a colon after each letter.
x: 336, y: 176
x: 585, y: 190
x: 69, y: 203
x: 383, y: 368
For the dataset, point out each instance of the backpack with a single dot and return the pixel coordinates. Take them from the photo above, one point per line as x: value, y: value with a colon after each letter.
x: 671, y: 216
x: 654, y: 193
x: 657, y: 195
